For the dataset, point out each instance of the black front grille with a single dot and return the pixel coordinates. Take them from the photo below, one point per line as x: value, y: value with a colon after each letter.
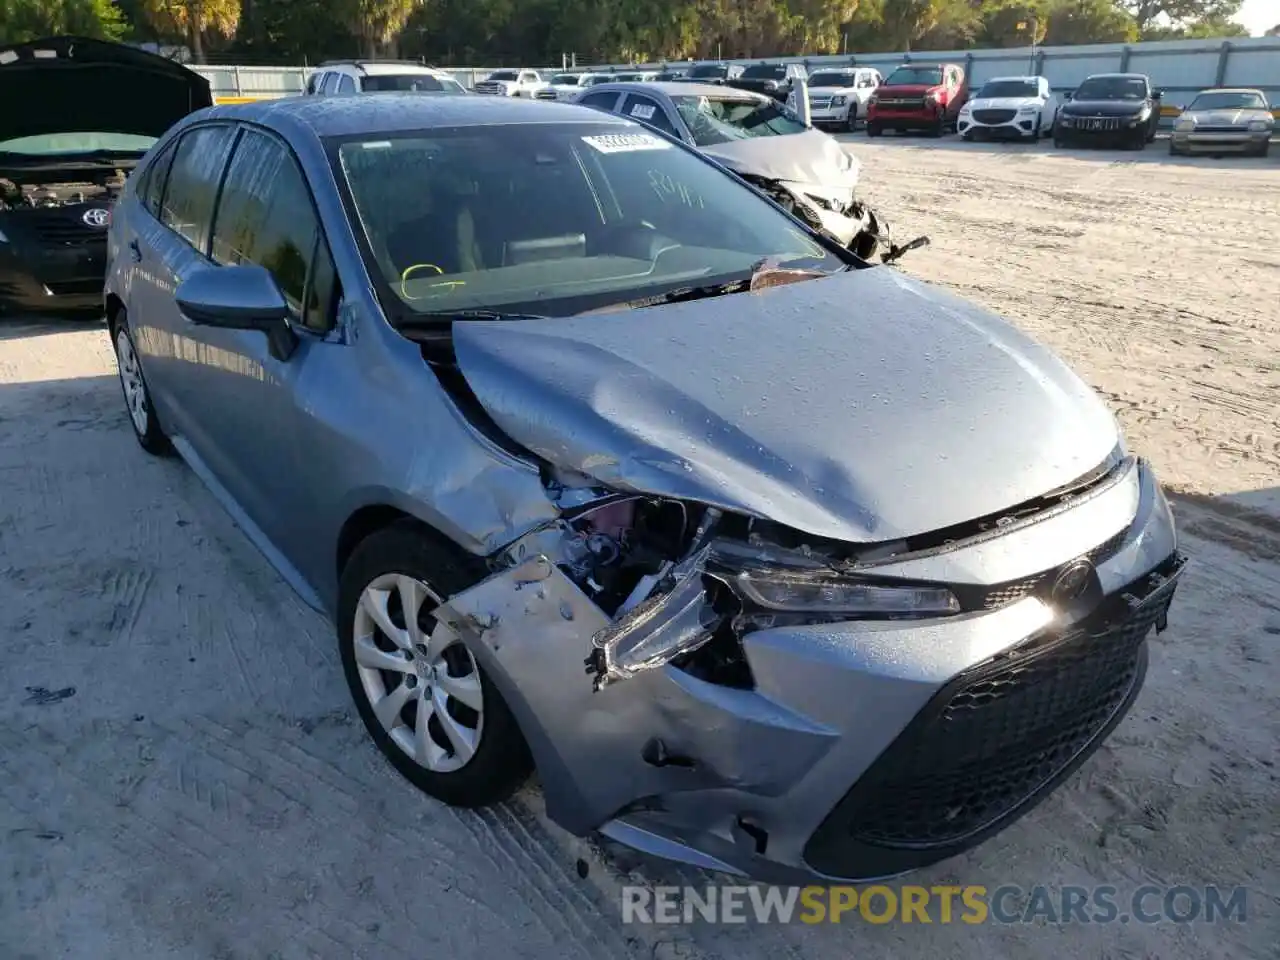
x: 994, y: 740
x: 57, y: 229
x: 901, y: 103
x: 66, y: 288
x: 1098, y: 123
x: 1216, y: 128
x: 994, y: 116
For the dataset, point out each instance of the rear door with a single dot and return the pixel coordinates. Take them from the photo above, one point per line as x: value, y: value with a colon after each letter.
x: 170, y: 243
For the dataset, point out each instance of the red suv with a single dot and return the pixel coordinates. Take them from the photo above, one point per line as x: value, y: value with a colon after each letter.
x: 918, y: 96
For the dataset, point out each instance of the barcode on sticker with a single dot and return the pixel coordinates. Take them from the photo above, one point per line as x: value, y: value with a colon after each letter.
x: 625, y: 142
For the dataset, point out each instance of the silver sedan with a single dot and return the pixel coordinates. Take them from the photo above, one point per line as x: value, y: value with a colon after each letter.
x: 1225, y: 121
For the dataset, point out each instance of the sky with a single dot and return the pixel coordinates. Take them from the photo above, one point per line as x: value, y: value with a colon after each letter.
x: 1259, y: 16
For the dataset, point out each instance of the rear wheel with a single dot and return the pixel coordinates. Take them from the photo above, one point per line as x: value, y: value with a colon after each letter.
x: 425, y: 700
x: 137, y: 396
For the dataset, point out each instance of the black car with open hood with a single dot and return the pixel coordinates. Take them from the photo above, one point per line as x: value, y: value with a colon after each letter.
x: 78, y: 116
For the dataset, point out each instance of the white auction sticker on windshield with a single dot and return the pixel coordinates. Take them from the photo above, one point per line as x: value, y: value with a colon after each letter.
x: 626, y: 142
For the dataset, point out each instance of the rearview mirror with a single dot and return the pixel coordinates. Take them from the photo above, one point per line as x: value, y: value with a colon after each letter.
x: 241, y: 297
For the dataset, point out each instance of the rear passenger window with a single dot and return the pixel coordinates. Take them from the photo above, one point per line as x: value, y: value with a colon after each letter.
x: 648, y: 111
x: 266, y: 217
x: 346, y: 84
x: 152, y: 188
x: 192, y: 187
x: 601, y: 101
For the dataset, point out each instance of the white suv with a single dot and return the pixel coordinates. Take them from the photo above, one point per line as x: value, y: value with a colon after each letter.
x: 1009, y: 108
x: 378, y: 76
x: 838, y: 96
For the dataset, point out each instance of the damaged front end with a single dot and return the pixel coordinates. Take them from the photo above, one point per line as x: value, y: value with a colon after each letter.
x: 655, y: 596
x: 849, y: 222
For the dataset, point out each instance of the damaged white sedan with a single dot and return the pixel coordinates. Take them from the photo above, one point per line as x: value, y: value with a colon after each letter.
x: 766, y: 559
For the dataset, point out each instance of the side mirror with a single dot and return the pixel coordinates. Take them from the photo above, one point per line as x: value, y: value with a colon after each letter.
x: 1068, y: 95
x: 1157, y: 94
x: 241, y: 297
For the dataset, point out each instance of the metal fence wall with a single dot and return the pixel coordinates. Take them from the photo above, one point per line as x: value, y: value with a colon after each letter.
x: 1180, y: 67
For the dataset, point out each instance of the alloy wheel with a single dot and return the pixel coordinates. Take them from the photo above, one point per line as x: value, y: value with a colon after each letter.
x: 421, y: 681
x: 135, y: 390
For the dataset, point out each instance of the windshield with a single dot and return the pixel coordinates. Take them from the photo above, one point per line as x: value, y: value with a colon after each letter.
x: 999, y: 89
x: 50, y: 144
x: 628, y: 77
x: 917, y: 76
x: 765, y: 71
x: 1224, y: 100
x: 566, y: 80
x: 554, y: 218
x: 831, y: 80
x: 715, y: 120
x: 709, y: 70
x: 420, y: 82
x: 504, y: 75
x: 1112, y: 88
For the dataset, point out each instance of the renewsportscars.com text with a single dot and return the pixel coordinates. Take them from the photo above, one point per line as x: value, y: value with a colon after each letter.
x: 973, y: 904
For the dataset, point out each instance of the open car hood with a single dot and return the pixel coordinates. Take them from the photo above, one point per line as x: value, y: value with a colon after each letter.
x: 80, y: 85
x: 863, y: 407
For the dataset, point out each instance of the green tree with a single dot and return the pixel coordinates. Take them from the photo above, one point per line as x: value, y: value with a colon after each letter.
x: 1089, y: 21
x: 375, y: 23
x: 31, y: 19
x: 1157, y: 17
x: 192, y: 20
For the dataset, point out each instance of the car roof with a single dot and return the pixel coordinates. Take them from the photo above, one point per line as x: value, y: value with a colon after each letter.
x: 1119, y: 76
x: 1024, y: 79
x: 383, y: 69
x: 673, y: 89
x: 385, y: 113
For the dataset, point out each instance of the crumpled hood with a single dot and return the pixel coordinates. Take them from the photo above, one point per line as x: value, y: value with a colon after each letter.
x: 809, y: 157
x: 80, y: 85
x: 863, y: 407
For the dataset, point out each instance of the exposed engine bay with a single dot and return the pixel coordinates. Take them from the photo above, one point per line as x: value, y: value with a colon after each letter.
x: 53, y: 189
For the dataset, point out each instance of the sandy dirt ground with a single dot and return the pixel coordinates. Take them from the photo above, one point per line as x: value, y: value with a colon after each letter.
x: 181, y: 775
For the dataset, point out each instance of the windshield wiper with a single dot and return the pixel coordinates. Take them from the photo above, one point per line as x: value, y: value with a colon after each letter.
x: 449, y: 316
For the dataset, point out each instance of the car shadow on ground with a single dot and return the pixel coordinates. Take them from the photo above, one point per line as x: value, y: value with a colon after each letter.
x: 26, y: 326
x: 1156, y: 152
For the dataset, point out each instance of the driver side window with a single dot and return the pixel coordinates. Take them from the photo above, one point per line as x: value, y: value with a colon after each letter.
x: 649, y: 112
x: 265, y: 216
x: 600, y: 101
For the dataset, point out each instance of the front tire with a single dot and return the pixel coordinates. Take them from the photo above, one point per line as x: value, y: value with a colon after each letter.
x: 873, y: 129
x: 137, y: 395
x: 425, y: 700
x: 851, y: 121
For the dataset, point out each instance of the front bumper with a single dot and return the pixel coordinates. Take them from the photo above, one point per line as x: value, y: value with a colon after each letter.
x: 1084, y: 132
x: 1016, y: 127
x: 1226, y: 141
x: 924, y: 119
x: 862, y: 749
x: 36, y: 277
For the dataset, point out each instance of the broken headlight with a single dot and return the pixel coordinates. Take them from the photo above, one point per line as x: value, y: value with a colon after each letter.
x: 822, y: 593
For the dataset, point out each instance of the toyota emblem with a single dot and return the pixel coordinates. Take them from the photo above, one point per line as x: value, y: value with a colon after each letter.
x: 97, y: 217
x: 1072, y: 581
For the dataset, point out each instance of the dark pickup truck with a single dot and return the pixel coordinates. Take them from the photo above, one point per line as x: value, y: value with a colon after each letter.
x: 773, y: 79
